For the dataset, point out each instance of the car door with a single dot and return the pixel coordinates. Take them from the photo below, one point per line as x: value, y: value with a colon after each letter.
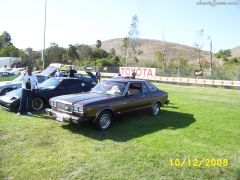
x: 148, y: 96
x: 67, y: 86
x: 134, y: 98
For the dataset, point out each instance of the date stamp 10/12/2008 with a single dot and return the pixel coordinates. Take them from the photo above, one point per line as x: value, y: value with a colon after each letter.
x: 204, y: 162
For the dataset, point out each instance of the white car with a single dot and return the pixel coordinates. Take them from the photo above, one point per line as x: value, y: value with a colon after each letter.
x: 6, y: 86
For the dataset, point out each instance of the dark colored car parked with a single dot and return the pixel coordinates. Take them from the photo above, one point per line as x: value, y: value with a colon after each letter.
x: 107, y: 100
x: 122, y: 77
x: 46, y: 90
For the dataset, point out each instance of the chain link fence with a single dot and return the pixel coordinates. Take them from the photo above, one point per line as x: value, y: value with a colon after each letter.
x: 219, y: 73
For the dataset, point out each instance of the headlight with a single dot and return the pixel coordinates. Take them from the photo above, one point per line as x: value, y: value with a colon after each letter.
x: 78, y: 109
x: 52, y: 103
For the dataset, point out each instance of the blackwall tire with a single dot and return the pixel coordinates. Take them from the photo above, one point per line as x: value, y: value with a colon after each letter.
x: 103, y: 121
x: 155, y: 110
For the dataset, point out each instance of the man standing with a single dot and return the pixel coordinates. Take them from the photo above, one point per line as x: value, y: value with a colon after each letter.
x: 29, y: 83
x: 134, y: 74
x: 71, y: 71
x: 98, y: 75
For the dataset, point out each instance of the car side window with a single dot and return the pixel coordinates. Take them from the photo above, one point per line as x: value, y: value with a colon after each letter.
x: 145, y: 89
x: 68, y: 84
x: 135, y: 89
x: 151, y: 87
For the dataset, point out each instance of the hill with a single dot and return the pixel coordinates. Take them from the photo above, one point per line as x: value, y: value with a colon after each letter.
x: 236, y: 51
x: 149, y: 47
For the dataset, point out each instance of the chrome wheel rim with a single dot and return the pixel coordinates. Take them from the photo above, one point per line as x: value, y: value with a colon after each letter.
x: 105, y: 121
x: 37, y: 104
x: 156, y: 109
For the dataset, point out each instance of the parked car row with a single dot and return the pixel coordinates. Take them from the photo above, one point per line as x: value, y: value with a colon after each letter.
x: 54, y: 86
x: 11, y: 72
x: 81, y: 99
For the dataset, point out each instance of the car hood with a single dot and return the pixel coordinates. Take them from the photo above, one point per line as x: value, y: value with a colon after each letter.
x: 9, y: 98
x: 82, y: 98
x: 50, y: 70
x: 5, y: 83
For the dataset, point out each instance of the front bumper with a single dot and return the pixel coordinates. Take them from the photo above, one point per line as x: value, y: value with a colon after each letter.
x: 8, y: 106
x: 63, y: 117
x: 5, y: 108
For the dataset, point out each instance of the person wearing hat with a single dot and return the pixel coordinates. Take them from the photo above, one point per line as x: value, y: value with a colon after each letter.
x: 29, y: 83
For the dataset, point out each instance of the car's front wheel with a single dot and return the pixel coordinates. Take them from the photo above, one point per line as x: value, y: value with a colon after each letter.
x: 155, y: 110
x: 103, y: 121
x: 37, y: 104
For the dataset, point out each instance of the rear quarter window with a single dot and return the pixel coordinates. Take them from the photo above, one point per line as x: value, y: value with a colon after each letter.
x: 151, y: 87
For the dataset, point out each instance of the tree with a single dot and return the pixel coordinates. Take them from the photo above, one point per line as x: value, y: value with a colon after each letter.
x: 234, y: 60
x: 84, y: 52
x: 5, y: 39
x: 132, y: 40
x: 124, y: 49
x: 198, y: 47
x: 54, y: 54
x: 112, y: 52
x: 211, y: 53
x: 159, y: 58
x: 165, y: 59
x: 99, y: 54
x: 223, y: 54
x: 9, y: 51
x: 70, y: 54
x: 98, y: 44
x: 30, y: 57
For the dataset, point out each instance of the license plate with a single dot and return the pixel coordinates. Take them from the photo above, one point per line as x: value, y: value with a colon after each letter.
x: 59, y: 118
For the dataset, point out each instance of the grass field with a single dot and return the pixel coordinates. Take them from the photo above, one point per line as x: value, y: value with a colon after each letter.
x: 200, y: 123
x: 7, y: 78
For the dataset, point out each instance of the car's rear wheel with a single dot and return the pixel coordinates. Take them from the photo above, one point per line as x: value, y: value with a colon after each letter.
x: 155, y: 110
x: 103, y: 121
x: 37, y: 104
x: 5, y: 91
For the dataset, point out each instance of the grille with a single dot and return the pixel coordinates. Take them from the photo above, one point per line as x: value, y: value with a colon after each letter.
x: 64, y: 107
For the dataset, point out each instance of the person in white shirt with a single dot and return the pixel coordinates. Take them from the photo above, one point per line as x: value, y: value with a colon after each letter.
x: 59, y: 73
x: 29, y: 83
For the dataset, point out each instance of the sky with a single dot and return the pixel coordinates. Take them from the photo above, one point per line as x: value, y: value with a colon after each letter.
x: 85, y: 21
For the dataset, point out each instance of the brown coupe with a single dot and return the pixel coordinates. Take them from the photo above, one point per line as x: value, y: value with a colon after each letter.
x: 108, y: 99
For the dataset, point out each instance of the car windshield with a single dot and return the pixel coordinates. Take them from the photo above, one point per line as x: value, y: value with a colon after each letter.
x: 50, y: 83
x: 110, y: 87
x: 17, y: 79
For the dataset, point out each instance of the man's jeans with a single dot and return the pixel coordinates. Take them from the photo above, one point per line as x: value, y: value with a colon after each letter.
x: 26, y: 101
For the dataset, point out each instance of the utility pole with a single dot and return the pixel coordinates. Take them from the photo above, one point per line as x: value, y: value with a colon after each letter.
x: 44, y: 35
x: 211, y: 63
